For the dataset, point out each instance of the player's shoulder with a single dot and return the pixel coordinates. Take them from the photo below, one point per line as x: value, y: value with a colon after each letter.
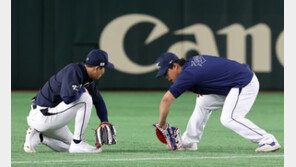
x: 186, y: 74
x: 193, y: 66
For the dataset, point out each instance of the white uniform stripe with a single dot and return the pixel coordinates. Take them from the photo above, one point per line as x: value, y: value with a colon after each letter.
x: 81, y: 130
x: 99, y: 135
x: 238, y: 96
x: 109, y: 135
x: 148, y: 159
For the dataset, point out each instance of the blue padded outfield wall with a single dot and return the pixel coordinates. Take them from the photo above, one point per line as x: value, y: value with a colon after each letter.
x: 49, y: 34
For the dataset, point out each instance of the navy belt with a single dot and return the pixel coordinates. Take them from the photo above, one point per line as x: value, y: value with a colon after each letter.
x: 44, y: 111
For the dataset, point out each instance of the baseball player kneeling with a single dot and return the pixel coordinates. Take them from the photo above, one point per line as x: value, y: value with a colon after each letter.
x: 222, y: 83
x: 69, y: 94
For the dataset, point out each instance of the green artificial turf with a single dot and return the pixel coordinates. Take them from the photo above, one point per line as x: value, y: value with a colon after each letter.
x: 133, y: 113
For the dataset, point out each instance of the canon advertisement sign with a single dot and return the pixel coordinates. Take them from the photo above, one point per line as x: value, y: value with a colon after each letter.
x: 112, y: 40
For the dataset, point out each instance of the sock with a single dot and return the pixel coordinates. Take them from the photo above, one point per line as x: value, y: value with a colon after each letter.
x: 76, y: 141
x: 41, y: 137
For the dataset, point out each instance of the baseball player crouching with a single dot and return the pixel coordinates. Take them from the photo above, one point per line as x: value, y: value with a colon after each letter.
x: 222, y: 83
x: 68, y: 94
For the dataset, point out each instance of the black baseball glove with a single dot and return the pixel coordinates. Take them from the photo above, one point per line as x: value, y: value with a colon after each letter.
x: 105, y: 134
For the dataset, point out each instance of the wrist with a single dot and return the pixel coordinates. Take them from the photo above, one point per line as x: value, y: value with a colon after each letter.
x: 162, y: 124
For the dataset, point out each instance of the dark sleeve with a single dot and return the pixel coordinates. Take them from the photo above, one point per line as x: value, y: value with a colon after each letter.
x: 98, y: 101
x: 184, y: 82
x: 101, y: 109
x: 71, y: 88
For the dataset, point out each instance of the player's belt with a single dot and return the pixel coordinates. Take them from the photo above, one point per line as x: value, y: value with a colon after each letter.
x: 34, y: 106
x: 43, y: 110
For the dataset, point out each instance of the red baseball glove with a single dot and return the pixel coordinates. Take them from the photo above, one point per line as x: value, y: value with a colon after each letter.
x: 170, y: 136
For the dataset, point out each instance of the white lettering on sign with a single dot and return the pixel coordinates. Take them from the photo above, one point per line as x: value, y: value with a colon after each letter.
x: 112, y: 41
x: 113, y: 35
x: 204, y: 37
x: 261, y: 45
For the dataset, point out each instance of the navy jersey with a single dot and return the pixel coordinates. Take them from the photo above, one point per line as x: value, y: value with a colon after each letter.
x: 211, y: 75
x: 67, y: 85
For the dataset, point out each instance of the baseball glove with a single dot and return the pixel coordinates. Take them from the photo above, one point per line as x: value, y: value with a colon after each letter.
x: 105, y: 134
x: 170, y: 136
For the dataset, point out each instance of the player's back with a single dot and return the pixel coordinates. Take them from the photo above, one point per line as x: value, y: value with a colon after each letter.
x: 213, y: 75
x: 49, y: 94
x: 213, y: 69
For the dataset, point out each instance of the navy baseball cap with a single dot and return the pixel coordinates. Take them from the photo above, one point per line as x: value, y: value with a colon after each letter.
x: 164, y: 61
x: 98, y: 57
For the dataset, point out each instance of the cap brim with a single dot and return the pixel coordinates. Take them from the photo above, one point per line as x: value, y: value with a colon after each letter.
x: 160, y: 73
x: 109, y: 66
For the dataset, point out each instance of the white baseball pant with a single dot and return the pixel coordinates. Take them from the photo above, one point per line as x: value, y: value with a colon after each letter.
x: 53, y: 126
x: 235, y: 105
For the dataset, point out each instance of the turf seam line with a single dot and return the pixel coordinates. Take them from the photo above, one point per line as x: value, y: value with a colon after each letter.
x: 147, y: 159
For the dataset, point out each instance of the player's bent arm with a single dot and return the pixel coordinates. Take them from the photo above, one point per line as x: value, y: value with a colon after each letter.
x: 101, y: 108
x: 98, y: 102
x: 164, y: 108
